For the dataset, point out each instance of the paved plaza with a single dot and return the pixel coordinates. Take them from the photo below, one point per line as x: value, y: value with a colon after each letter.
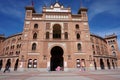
x: 61, y: 75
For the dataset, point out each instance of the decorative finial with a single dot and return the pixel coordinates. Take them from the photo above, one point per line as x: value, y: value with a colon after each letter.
x: 81, y: 5
x: 32, y: 3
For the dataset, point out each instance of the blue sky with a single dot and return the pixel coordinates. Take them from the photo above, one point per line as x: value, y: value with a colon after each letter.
x: 103, y: 15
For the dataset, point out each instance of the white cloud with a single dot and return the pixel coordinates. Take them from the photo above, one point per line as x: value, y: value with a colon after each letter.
x: 110, y: 7
x: 100, y: 6
x: 115, y: 30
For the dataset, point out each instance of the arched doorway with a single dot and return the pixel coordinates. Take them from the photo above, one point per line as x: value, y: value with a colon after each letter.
x: 8, y: 63
x: 108, y: 64
x: 1, y: 63
x: 56, y: 31
x: 35, y: 63
x: 95, y: 65
x: 16, y: 65
x: 113, y: 64
x: 102, y: 64
x: 56, y: 58
x: 30, y: 63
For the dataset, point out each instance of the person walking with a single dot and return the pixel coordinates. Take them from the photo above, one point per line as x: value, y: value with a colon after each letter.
x: 7, y: 67
x: 58, y: 68
x: 82, y: 66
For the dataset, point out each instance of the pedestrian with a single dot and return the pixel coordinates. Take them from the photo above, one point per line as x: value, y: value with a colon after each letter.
x: 48, y: 69
x: 82, y: 66
x: 58, y: 68
x: 7, y: 67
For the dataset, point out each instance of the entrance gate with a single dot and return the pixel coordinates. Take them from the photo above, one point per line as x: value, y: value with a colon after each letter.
x: 56, y: 58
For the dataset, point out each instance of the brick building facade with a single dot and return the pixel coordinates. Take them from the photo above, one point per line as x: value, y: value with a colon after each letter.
x: 56, y: 37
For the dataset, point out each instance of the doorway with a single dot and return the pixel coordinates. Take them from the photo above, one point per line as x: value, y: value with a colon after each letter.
x: 16, y: 65
x: 108, y: 64
x: 56, y: 31
x: 1, y: 63
x: 102, y: 64
x: 56, y: 58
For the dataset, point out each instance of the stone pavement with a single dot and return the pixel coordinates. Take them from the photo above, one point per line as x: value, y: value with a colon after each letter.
x: 61, y: 75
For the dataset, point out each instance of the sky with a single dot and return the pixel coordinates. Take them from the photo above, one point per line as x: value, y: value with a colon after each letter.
x: 103, y: 15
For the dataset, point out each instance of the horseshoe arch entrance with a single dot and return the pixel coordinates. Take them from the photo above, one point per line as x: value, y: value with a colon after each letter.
x: 56, y: 58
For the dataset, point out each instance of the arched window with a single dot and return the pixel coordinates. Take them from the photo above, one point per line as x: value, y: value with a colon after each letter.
x: 56, y: 31
x: 77, y: 26
x: 11, y: 53
x: 19, y: 38
x: 78, y: 36
x: 113, y: 41
x: 112, y: 47
x: 79, y: 46
x: 34, y: 46
x: 93, y: 52
x: 109, y: 42
x: 17, y: 52
x: 35, y: 26
x: 66, y: 35
x: 35, y: 36
x: 93, y: 46
x: 30, y: 63
x: 114, y: 54
x: 78, y: 63
x: 47, y: 35
x: 35, y: 63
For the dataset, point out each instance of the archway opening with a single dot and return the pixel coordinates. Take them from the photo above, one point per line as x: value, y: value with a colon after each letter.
x: 102, y: 64
x: 16, y: 65
x: 56, y: 31
x: 1, y: 63
x: 56, y: 58
x: 113, y: 64
x: 8, y: 63
x: 95, y: 65
x: 108, y: 64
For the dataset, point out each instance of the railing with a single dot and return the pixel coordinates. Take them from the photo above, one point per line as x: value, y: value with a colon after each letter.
x: 110, y: 56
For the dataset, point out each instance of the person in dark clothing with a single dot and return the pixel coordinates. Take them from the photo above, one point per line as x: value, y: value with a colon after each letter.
x: 7, y: 67
x: 0, y: 65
